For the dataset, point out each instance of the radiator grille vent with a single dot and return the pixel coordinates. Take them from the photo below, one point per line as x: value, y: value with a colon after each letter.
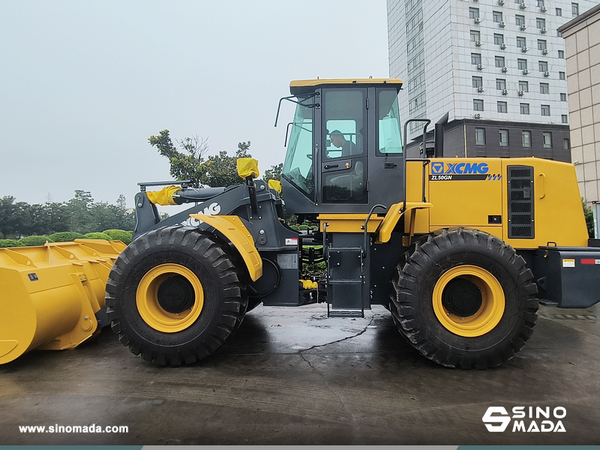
x: 520, y: 203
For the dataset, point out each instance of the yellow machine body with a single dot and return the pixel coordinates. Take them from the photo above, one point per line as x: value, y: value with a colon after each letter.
x: 49, y: 295
x: 476, y: 193
x: 482, y: 200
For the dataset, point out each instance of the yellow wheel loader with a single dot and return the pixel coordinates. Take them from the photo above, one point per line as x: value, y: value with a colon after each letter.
x: 460, y: 250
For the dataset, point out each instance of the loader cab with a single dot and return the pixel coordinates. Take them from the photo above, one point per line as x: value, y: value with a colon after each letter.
x: 345, y: 149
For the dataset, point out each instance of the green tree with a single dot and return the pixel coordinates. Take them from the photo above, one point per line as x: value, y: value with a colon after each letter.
x: 274, y: 173
x: 56, y: 217
x: 8, y: 220
x: 589, y: 217
x: 188, y: 162
x: 80, y: 215
x: 221, y: 170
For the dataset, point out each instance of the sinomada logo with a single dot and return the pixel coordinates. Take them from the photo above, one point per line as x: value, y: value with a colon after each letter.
x: 525, y: 419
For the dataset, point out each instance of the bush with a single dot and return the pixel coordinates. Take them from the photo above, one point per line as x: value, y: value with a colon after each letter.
x: 314, y: 270
x: 65, y: 236
x: 5, y: 243
x: 304, y: 227
x: 104, y: 236
x: 31, y: 241
x: 589, y: 218
x: 120, y: 235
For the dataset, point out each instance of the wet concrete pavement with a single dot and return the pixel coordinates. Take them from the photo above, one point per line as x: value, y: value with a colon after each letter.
x: 292, y: 376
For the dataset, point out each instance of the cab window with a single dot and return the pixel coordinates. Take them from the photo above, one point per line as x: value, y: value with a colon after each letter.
x: 298, y: 164
x: 389, y: 136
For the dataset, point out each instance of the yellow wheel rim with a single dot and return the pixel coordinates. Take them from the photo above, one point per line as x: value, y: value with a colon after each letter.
x: 170, y: 298
x: 468, y: 301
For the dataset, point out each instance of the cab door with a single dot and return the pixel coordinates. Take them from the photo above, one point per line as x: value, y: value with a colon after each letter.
x: 345, y: 137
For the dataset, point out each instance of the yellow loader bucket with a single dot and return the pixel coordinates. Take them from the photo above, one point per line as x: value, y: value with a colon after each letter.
x: 49, y: 295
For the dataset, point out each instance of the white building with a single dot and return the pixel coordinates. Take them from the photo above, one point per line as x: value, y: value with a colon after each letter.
x: 582, y: 36
x: 497, y: 67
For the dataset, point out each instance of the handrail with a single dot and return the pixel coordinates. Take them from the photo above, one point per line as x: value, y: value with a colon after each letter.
x: 427, y: 122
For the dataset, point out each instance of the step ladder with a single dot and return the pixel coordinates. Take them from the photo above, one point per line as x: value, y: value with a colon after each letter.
x: 348, y: 284
x: 345, y: 282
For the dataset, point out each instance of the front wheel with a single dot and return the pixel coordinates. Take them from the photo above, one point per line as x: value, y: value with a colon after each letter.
x: 175, y: 295
x: 464, y: 299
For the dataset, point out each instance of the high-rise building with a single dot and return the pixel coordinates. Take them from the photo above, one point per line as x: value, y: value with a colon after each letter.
x: 582, y: 39
x: 495, y: 67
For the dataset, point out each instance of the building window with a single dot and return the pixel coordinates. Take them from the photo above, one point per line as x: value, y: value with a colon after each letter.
x: 415, y: 63
x: 543, y: 66
x: 540, y: 3
x: 500, y: 84
x: 475, y: 36
x: 524, y: 86
x: 502, y: 107
x: 475, y: 59
x: 542, y: 45
x: 563, y: 97
x: 575, y: 9
x: 503, y: 138
x: 478, y: 104
x: 416, y: 82
x: 416, y: 103
x: 497, y: 16
x: 473, y: 13
x: 561, y: 54
x: 559, y: 12
x: 561, y: 76
x: 520, y: 20
x: 416, y: 21
x: 566, y: 144
x: 477, y: 82
x: 414, y: 43
x: 498, y: 39
x: 545, y: 110
x: 521, y: 42
x: 479, y: 136
x: 524, y: 108
x: 499, y: 61
x: 526, y: 138
x: 547, y: 139
x: 540, y: 23
x: 564, y: 118
x: 544, y: 88
x: 522, y: 64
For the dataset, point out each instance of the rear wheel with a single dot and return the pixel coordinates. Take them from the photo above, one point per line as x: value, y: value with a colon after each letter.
x: 175, y: 295
x: 465, y: 299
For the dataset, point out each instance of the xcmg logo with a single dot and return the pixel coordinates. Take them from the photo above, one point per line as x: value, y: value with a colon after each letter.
x: 460, y: 168
x: 211, y: 210
x: 461, y: 171
x: 525, y: 419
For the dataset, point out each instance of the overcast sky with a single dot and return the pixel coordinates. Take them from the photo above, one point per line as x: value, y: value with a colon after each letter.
x: 83, y: 84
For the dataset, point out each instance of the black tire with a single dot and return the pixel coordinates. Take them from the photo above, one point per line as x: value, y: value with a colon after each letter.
x: 175, y: 295
x: 464, y: 299
x: 253, y: 302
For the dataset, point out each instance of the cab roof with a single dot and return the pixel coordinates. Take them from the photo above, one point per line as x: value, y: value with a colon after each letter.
x: 302, y: 87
